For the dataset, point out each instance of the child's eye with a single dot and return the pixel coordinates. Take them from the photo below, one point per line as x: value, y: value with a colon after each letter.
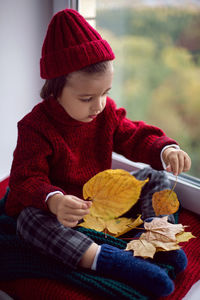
x: 86, y: 99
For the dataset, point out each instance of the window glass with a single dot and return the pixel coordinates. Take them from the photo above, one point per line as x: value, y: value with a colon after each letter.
x: 157, y: 65
x: 88, y: 9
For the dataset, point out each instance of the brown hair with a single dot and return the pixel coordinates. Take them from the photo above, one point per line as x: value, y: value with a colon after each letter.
x: 53, y: 87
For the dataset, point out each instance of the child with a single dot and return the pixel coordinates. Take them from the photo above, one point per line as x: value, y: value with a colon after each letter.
x: 67, y: 139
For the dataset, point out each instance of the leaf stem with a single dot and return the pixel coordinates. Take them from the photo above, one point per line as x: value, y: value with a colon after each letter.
x: 175, y: 183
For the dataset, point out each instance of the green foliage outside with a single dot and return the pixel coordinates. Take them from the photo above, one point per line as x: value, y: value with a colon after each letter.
x: 157, y: 79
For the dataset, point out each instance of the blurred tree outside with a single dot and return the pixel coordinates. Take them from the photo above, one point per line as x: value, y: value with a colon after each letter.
x: 157, y: 73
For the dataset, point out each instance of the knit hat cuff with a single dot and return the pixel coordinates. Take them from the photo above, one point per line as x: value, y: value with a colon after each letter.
x: 59, y: 63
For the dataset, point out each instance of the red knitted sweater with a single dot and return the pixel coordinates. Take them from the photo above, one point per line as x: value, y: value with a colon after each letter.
x: 55, y: 152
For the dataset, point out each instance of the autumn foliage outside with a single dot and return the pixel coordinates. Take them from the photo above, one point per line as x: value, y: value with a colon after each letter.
x: 157, y: 67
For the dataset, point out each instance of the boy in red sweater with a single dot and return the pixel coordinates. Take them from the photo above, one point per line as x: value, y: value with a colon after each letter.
x: 70, y: 137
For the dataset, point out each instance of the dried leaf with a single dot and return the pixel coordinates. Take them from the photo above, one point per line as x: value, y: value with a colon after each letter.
x: 113, y: 193
x: 92, y: 222
x: 114, y: 227
x: 165, y: 202
x: 162, y: 235
x: 141, y: 248
x: 165, y: 246
x: 184, y: 237
x: 128, y: 225
x: 160, y: 229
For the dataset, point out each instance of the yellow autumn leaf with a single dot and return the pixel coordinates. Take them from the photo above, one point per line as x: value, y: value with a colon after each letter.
x: 184, y: 236
x: 119, y: 226
x: 165, y: 246
x: 114, y: 227
x: 92, y: 222
x: 165, y: 202
x: 141, y: 248
x: 146, y: 249
x: 113, y: 193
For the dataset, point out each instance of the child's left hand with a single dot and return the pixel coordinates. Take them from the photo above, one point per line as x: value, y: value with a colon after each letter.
x: 176, y: 160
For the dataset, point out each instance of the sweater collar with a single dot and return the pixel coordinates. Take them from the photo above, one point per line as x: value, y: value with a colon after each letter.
x: 55, y: 110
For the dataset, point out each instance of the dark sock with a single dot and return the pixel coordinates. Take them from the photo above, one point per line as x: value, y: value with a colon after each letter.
x: 123, y: 266
x: 175, y: 258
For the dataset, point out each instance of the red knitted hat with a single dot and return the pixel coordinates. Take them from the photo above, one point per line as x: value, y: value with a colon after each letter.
x: 71, y: 44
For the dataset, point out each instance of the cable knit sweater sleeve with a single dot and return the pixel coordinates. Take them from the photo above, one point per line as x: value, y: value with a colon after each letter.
x: 139, y: 141
x: 29, y: 180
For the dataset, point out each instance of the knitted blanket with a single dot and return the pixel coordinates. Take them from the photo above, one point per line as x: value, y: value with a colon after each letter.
x: 191, y: 275
x: 18, y: 260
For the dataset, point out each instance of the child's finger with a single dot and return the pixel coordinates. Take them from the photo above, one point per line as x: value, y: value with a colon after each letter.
x: 75, y: 212
x: 175, y: 167
x: 76, y: 203
x: 181, y: 162
x: 87, y: 203
x: 187, y: 163
x: 173, y: 162
x: 172, y: 169
x: 168, y: 168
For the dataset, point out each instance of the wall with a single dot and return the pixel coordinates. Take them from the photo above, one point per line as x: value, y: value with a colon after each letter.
x: 23, y: 25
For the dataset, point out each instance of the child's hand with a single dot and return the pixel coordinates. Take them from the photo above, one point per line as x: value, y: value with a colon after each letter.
x: 176, y: 160
x: 68, y: 208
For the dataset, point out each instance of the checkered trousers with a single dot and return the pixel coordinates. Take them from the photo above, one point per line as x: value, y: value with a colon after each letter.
x: 43, y: 231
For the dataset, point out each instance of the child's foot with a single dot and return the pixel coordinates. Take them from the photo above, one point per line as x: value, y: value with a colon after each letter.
x: 175, y: 258
x: 137, y: 272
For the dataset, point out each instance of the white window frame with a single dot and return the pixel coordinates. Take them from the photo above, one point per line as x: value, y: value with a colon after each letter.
x: 74, y: 4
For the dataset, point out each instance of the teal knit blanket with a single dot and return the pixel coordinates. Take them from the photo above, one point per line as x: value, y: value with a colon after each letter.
x: 19, y: 260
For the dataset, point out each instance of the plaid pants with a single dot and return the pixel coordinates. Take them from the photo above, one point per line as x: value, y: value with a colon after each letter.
x: 43, y: 231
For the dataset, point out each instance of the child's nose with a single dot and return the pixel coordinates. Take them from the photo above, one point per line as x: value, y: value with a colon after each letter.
x: 97, y: 105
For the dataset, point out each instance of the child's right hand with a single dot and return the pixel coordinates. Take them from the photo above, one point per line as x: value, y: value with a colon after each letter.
x: 68, y: 208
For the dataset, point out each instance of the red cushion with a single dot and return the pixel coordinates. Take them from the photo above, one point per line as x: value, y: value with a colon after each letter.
x: 44, y: 289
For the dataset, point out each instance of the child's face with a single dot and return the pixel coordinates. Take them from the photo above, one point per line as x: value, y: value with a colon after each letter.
x: 84, y: 95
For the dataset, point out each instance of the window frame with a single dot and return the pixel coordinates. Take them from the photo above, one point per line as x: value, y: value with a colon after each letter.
x: 74, y: 4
